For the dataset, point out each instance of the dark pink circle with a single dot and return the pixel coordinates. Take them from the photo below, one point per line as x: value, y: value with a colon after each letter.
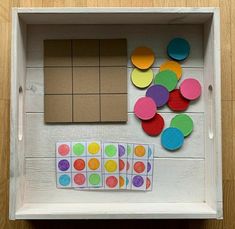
x: 190, y: 89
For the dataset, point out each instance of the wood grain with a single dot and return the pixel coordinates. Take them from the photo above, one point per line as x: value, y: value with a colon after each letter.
x: 228, y: 97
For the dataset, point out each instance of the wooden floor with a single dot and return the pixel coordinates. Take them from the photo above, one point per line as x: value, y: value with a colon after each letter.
x: 228, y: 112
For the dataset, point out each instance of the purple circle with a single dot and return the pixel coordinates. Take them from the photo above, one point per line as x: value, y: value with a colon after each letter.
x: 159, y: 94
x: 63, y: 165
x: 121, y: 150
x: 148, y: 167
x: 138, y: 181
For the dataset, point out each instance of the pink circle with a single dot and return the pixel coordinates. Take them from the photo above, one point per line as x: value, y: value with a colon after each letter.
x: 63, y: 149
x: 145, y: 108
x: 79, y: 179
x: 190, y: 89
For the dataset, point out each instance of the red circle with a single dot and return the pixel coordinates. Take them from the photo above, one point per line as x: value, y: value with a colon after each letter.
x: 148, y: 183
x: 127, y: 166
x: 79, y: 164
x: 79, y: 179
x: 177, y: 102
x: 153, y: 126
x: 63, y: 149
x: 111, y: 181
x: 121, y: 164
x: 139, y: 167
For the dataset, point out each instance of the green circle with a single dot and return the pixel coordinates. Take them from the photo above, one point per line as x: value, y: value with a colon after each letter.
x: 78, y: 149
x: 166, y: 78
x: 128, y: 150
x: 184, y: 123
x: 94, y: 179
x: 110, y: 150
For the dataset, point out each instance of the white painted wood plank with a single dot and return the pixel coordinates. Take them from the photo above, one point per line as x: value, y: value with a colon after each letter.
x: 174, y: 180
x: 154, y: 36
x: 41, y: 138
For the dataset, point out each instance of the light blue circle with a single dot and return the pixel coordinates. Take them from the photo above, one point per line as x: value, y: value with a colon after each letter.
x: 172, y: 138
x: 149, y: 152
x: 64, y: 180
x: 127, y: 181
x: 178, y: 49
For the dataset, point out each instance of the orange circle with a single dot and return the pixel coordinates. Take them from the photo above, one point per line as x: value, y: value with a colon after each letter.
x: 121, y: 181
x: 139, y: 167
x: 93, y: 164
x: 121, y: 164
x: 79, y: 164
x: 173, y: 66
x: 139, y: 151
x: 142, y: 58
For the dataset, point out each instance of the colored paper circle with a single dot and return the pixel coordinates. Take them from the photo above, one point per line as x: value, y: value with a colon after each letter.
x: 110, y: 166
x: 145, y: 108
x: 138, y: 181
x: 139, y: 167
x: 159, y: 94
x: 121, y: 181
x: 177, y: 102
x: 166, y: 78
x: 121, y: 164
x: 111, y: 181
x: 190, y: 88
x: 172, y: 138
x: 149, y: 166
x: 184, y: 123
x: 64, y: 180
x: 148, y: 183
x: 173, y: 66
x: 63, y: 165
x: 93, y: 148
x: 142, y: 57
x: 94, y: 179
x: 110, y: 150
x: 63, y: 149
x: 93, y: 163
x: 78, y: 149
x: 153, y: 126
x: 121, y: 150
x: 79, y: 164
x: 140, y: 151
x: 178, y: 49
x: 142, y: 79
x: 79, y: 179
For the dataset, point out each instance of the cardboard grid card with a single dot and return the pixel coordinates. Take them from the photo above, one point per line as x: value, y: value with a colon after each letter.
x: 85, y: 80
x: 104, y: 165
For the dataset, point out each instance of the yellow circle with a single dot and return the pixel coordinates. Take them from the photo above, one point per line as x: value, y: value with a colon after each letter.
x: 93, y: 148
x: 142, y: 79
x: 173, y: 66
x: 121, y: 181
x: 93, y: 164
x: 139, y: 151
x: 110, y: 166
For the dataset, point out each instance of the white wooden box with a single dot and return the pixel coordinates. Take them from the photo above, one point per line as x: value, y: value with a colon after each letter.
x: 187, y: 184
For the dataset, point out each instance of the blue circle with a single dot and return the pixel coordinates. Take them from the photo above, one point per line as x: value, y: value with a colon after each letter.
x: 64, y: 180
x: 172, y: 138
x: 149, y: 152
x: 178, y: 49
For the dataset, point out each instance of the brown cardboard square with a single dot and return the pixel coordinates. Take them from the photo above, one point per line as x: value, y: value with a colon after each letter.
x: 85, y: 80
x: 113, y: 79
x: 113, y: 52
x: 86, y: 108
x: 113, y: 107
x: 58, y: 80
x: 58, y: 108
x: 57, y: 53
x: 85, y: 52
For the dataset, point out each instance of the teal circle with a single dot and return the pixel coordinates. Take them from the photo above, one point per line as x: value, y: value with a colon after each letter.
x: 110, y: 150
x: 127, y: 181
x: 78, y: 149
x: 149, y: 152
x: 64, y: 180
x: 166, y: 78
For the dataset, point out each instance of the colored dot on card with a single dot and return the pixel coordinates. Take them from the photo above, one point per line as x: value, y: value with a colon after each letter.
x: 121, y: 164
x: 79, y: 164
x: 78, y: 149
x: 93, y: 163
x: 121, y: 150
x: 127, y: 166
x: 128, y: 150
x: 142, y: 79
x: 148, y: 167
x: 145, y: 108
x: 111, y: 181
x: 94, y: 179
x: 139, y: 151
x: 148, y: 183
x: 79, y: 179
x: 149, y: 152
x: 110, y: 166
x: 139, y: 167
x: 93, y: 148
x: 190, y: 89
x: 127, y: 181
x: 63, y: 165
x: 121, y: 181
x: 110, y: 150
x: 177, y: 102
x: 142, y: 58
x: 173, y: 66
x: 184, y: 123
x: 138, y: 181
x: 64, y: 180
x: 63, y: 149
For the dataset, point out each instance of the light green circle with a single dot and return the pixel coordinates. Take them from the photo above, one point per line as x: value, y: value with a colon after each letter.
x: 94, y: 179
x: 142, y: 79
x: 78, y: 149
x: 110, y: 150
x: 167, y: 79
x: 128, y: 150
x: 184, y: 123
